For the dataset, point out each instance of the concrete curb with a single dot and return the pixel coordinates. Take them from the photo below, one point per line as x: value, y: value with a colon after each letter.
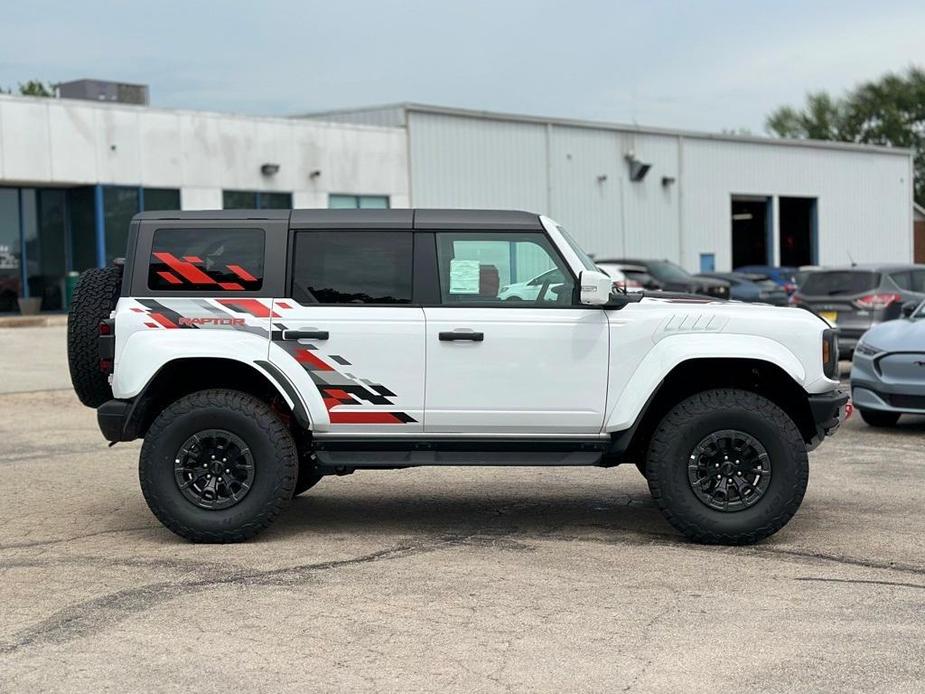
x: 39, y: 321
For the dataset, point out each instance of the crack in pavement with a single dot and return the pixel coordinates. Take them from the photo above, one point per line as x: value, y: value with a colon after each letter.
x: 45, y: 543
x: 900, y: 584
x: 91, y: 616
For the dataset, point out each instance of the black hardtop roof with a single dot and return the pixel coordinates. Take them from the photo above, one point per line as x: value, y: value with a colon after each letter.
x: 503, y: 220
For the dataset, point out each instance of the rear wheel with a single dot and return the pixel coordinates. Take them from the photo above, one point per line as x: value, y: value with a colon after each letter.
x: 218, y: 466
x: 878, y: 418
x: 95, y: 297
x: 727, y: 467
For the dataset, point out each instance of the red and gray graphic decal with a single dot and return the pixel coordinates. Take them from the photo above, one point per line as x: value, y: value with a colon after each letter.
x: 199, y: 313
x: 338, y: 388
x: 187, y: 271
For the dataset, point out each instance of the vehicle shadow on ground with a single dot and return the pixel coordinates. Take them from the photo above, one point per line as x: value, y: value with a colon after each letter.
x: 452, y: 515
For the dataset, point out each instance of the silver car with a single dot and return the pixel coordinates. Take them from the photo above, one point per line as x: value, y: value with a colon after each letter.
x: 888, y: 370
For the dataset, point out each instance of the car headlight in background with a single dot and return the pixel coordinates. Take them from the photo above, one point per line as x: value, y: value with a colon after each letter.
x: 867, y: 349
x: 830, y: 353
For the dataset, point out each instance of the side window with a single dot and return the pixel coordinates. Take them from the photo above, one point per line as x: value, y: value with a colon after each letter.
x: 917, y: 283
x: 501, y: 268
x: 352, y: 267
x: 903, y: 280
x: 207, y: 260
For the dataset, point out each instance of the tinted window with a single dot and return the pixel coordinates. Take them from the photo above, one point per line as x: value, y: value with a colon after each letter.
x: 666, y: 271
x: 913, y: 280
x: 206, y: 259
x: 352, y: 267
x: 832, y: 283
x: 493, y: 268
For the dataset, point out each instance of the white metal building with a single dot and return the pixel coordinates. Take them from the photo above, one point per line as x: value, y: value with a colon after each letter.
x: 706, y: 200
x: 73, y: 172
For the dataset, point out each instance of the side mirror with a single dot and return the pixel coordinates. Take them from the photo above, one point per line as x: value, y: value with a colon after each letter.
x: 595, y: 287
x: 909, y: 308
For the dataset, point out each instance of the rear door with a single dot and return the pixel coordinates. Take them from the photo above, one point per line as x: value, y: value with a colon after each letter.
x: 350, y: 325
x: 505, y: 360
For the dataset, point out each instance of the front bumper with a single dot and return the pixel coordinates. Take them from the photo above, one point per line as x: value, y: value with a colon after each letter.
x: 828, y: 411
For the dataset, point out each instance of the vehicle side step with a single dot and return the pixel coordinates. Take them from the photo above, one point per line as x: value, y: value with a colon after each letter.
x: 385, y: 453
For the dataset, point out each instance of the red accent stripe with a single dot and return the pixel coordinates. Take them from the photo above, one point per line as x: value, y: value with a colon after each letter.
x: 338, y: 394
x: 364, y: 418
x: 139, y: 310
x: 188, y: 271
x: 230, y: 286
x: 163, y: 320
x: 282, y: 305
x: 330, y: 403
x: 303, y: 356
x: 251, y: 306
x: 192, y: 259
x: 170, y: 277
x: 242, y: 273
x: 151, y: 325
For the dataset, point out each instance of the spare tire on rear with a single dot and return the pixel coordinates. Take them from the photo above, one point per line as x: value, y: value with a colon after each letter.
x: 95, y: 297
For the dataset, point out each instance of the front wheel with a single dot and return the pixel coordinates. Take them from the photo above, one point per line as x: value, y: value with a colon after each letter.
x: 217, y: 466
x: 727, y: 467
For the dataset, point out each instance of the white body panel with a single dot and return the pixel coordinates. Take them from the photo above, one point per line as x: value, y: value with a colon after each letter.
x: 149, y: 337
x: 372, y: 364
x: 538, y: 371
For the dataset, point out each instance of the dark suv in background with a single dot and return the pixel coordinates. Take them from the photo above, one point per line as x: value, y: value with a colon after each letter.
x: 667, y: 276
x: 857, y: 297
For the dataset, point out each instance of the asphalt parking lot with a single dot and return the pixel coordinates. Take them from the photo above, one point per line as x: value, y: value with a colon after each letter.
x: 445, y: 579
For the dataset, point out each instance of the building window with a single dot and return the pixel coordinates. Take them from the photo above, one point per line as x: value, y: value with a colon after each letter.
x: 255, y: 200
x: 353, y: 202
x: 161, y: 199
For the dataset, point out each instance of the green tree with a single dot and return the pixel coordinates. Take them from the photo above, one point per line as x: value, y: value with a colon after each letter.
x: 888, y: 111
x: 36, y: 88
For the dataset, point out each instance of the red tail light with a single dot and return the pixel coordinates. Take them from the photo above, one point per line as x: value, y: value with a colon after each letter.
x: 105, y: 327
x: 106, y: 366
x: 872, y: 302
x: 794, y: 299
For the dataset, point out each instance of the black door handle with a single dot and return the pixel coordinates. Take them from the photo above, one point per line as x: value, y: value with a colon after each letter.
x: 455, y: 335
x: 305, y: 334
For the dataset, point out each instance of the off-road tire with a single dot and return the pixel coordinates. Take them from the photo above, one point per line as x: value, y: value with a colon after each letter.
x: 95, y: 297
x: 878, y: 418
x: 269, y: 441
x: 688, y: 423
x: 308, y: 477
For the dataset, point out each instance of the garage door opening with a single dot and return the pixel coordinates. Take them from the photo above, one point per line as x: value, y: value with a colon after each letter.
x: 797, y: 231
x: 750, y: 230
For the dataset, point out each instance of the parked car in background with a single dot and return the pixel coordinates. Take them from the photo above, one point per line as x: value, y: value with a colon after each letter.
x: 803, y: 272
x: 782, y: 276
x: 544, y: 287
x: 628, y: 277
x: 856, y: 298
x: 888, y: 372
x: 667, y: 276
x: 751, y: 287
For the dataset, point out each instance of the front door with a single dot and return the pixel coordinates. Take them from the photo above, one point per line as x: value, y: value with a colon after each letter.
x: 508, y: 349
x: 350, y: 326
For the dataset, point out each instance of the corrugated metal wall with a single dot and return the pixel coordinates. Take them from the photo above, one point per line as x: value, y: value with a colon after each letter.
x: 579, y: 176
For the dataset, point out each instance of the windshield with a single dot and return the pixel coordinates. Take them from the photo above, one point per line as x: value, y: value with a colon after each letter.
x: 582, y: 256
x: 831, y: 283
x: 666, y: 271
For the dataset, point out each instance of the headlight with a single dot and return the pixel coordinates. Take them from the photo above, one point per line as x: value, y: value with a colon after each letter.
x: 830, y: 353
x: 867, y: 349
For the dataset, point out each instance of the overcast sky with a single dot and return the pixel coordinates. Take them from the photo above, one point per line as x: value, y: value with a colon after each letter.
x: 705, y: 65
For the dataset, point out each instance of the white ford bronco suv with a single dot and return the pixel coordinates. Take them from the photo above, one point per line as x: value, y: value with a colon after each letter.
x: 256, y: 352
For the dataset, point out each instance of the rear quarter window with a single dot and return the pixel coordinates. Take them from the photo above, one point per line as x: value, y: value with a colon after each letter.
x: 822, y: 283
x: 225, y: 260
